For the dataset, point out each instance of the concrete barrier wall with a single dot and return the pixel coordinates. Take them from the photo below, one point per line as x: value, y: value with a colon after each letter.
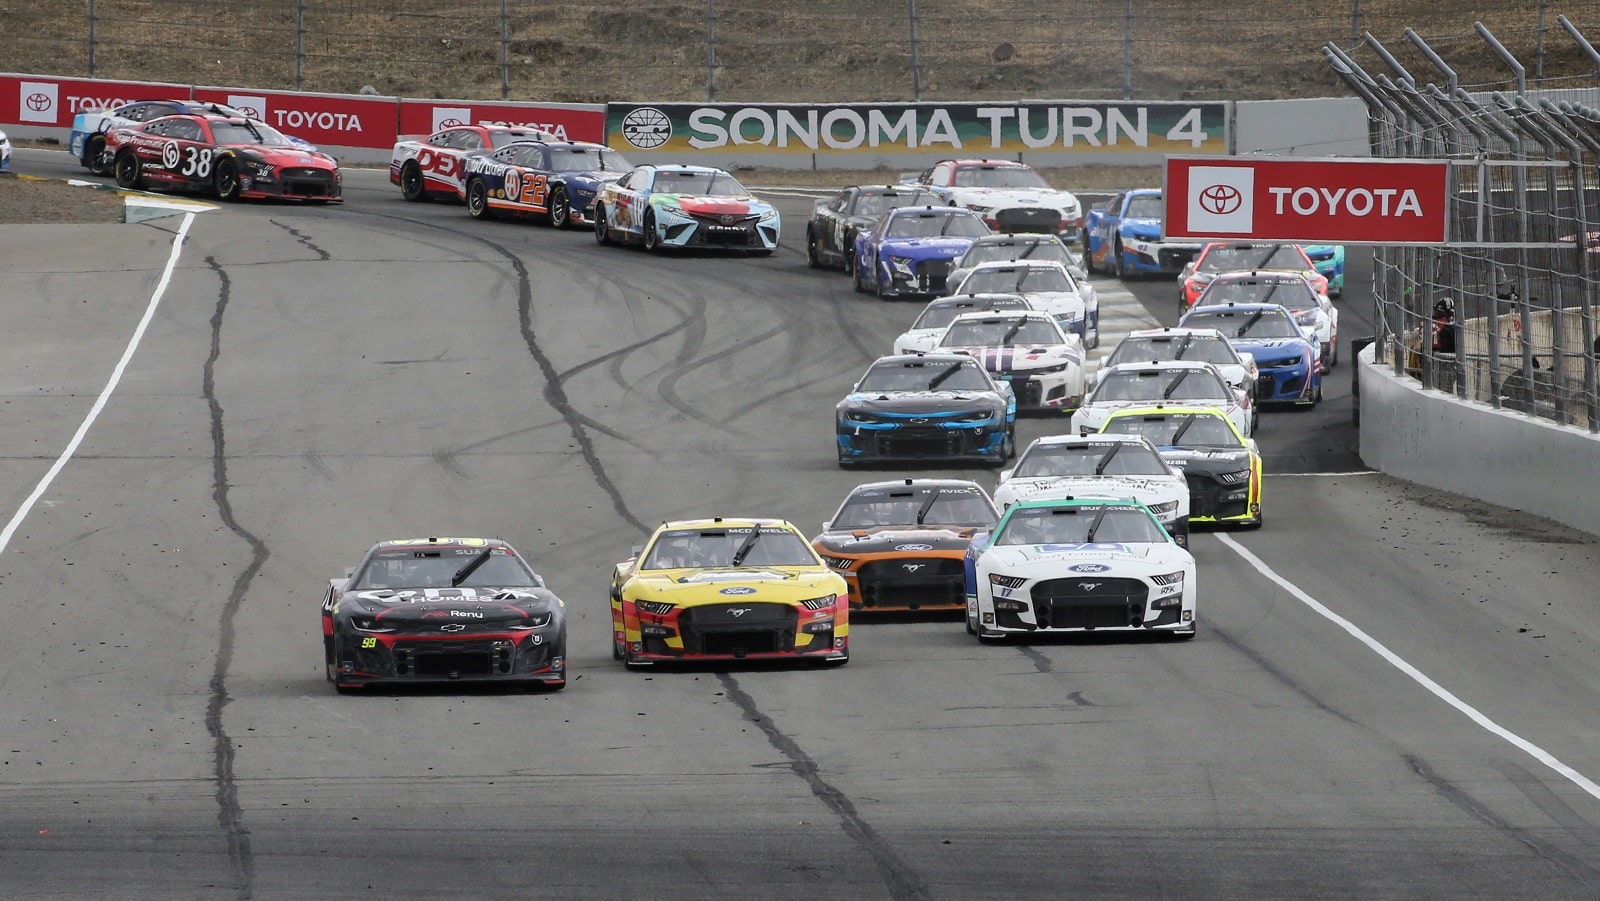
x: 1322, y: 126
x: 1499, y: 456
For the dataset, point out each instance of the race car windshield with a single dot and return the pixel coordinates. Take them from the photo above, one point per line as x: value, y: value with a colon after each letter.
x: 1145, y: 206
x: 1079, y: 525
x: 437, y: 568
x: 702, y: 548
x: 1049, y: 251
x: 939, y: 315
x: 1056, y: 461
x: 707, y: 184
x: 1177, y: 429
x: 1158, y: 384
x: 1244, y: 257
x: 1253, y: 324
x: 234, y: 133
x: 587, y: 159
x: 999, y: 177
x: 999, y: 333
x: 1014, y: 281
x: 875, y: 509
x: 1202, y: 348
x: 946, y: 376
x: 934, y: 224
x: 877, y: 203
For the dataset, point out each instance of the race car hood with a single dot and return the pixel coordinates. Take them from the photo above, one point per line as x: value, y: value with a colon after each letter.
x: 1271, y: 349
x: 732, y: 585
x: 919, y: 338
x: 997, y: 197
x: 1150, y: 490
x: 1146, y: 229
x: 914, y: 403
x: 1206, y: 461
x: 1058, y: 303
x: 417, y: 607
x: 698, y: 205
x: 900, y: 540
x: 279, y: 155
x: 946, y: 248
x: 1020, y: 357
x: 1057, y: 560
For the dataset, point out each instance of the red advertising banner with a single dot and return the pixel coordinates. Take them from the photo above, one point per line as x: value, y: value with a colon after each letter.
x: 52, y: 102
x: 569, y: 122
x: 1307, y: 201
x: 328, y: 120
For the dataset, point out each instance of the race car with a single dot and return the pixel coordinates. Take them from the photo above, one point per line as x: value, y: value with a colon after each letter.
x: 1004, y: 248
x: 941, y: 311
x: 710, y: 590
x: 1329, y: 260
x: 831, y: 231
x: 1312, y: 310
x: 1123, y: 237
x: 899, y: 545
x: 1221, y: 465
x: 1048, y: 285
x: 1010, y: 196
x: 556, y: 182
x: 443, y: 610
x: 1203, y: 345
x: 1027, y: 349
x: 429, y: 168
x: 230, y: 157
x: 1286, y: 356
x: 1079, y: 565
x: 909, y: 250
x: 684, y: 206
x: 919, y: 407
x: 89, y: 128
x: 1190, y: 382
x: 1101, y: 465
x: 1217, y: 258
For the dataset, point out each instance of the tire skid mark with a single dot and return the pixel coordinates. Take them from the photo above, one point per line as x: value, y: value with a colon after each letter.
x: 668, y: 389
x: 902, y: 881
x: 229, y: 814
x: 304, y: 239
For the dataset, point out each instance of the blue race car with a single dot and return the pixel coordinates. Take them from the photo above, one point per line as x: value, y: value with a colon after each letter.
x: 556, y: 181
x: 1329, y: 260
x: 1286, y: 356
x: 921, y: 406
x: 683, y: 206
x: 911, y: 250
x: 1123, y: 237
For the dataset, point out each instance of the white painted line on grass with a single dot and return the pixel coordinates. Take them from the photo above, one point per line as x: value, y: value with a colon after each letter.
x: 1528, y: 747
x: 105, y: 394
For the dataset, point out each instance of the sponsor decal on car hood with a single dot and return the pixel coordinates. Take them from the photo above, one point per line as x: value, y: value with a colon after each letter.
x: 711, y: 206
x: 893, y: 539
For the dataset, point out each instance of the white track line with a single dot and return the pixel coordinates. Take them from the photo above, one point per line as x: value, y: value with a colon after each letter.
x: 1533, y: 750
x: 105, y: 394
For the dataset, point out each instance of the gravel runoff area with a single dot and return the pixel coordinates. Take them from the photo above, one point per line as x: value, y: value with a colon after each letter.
x: 37, y: 200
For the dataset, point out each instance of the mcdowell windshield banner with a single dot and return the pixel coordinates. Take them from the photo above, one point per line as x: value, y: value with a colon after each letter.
x: 978, y: 129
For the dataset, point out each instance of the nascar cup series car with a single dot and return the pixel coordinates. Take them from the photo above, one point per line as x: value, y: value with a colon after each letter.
x: 89, y: 128
x: 1004, y: 248
x: 1219, y: 257
x: 1329, y: 260
x: 1025, y: 348
x: 1203, y: 345
x: 919, y: 407
x: 899, y: 545
x: 1126, y: 466
x: 556, y: 182
x: 684, y: 206
x: 1285, y: 356
x: 443, y: 610
x: 1010, y: 196
x: 1222, y: 466
x: 1079, y: 565
x: 1189, y: 382
x: 831, y: 232
x: 430, y: 167
x: 230, y: 157
x: 1048, y: 285
x: 1123, y: 237
x: 728, y: 589
x: 941, y: 311
x: 909, y: 250
x: 1311, y: 309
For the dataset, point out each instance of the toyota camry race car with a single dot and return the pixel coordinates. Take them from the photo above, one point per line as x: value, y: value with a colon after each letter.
x: 443, y: 610
x: 1189, y: 382
x: 728, y: 589
x: 1123, y: 237
x: 1312, y: 310
x: 1129, y: 466
x: 917, y: 407
x: 556, y: 182
x: 1048, y: 285
x: 1218, y: 258
x: 230, y: 157
x: 430, y: 167
x: 1222, y: 466
x: 1285, y: 355
x: 1008, y: 247
x: 909, y: 250
x: 899, y: 545
x: 1079, y: 565
x: 831, y: 232
x: 1203, y: 345
x: 1026, y: 348
x: 941, y: 311
x: 684, y: 206
x: 1010, y: 196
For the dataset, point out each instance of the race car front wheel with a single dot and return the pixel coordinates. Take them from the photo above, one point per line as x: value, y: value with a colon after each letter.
x: 411, y: 185
x: 560, y: 209
x: 129, y: 171
x: 227, y: 180
x: 652, y: 238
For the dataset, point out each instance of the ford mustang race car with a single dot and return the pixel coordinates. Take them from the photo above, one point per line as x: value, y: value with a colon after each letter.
x: 1126, y: 466
x: 684, y: 206
x: 443, y: 610
x: 1218, y: 258
x: 899, y: 545
x: 1203, y: 345
x: 831, y: 232
x: 1329, y: 260
x: 430, y: 167
x: 1189, y: 382
x: 1079, y: 565
x: 1311, y: 309
x: 942, y: 406
x: 1049, y: 286
x: 941, y: 311
x: 89, y: 128
x: 1222, y: 466
x: 1010, y: 196
x: 230, y: 157
x: 909, y: 250
x: 1007, y: 247
x: 1123, y: 237
x: 554, y: 181
x: 1285, y: 356
x: 728, y: 589
x: 1025, y: 348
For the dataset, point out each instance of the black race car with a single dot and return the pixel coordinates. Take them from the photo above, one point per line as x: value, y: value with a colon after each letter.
x: 831, y: 231
x: 443, y: 610
x: 913, y: 407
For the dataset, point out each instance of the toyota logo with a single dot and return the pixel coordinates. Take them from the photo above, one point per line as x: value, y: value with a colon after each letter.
x: 451, y: 123
x: 451, y: 627
x: 250, y: 111
x: 1219, y: 200
x: 726, y: 219
x: 38, y: 102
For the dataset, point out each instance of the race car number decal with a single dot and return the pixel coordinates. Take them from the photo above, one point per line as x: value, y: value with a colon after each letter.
x: 527, y: 187
x: 369, y: 642
x: 190, y: 161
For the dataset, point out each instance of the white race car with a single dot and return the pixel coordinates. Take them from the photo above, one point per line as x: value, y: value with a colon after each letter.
x: 1079, y: 565
x: 1204, y: 344
x: 1189, y: 382
x: 1010, y: 196
x: 1059, y: 466
x: 941, y: 311
x: 1048, y: 285
x: 1004, y: 248
x: 429, y: 166
x: 1026, y: 348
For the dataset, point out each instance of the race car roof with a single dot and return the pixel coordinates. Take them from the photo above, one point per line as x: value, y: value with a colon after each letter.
x: 722, y: 522
x: 915, y: 484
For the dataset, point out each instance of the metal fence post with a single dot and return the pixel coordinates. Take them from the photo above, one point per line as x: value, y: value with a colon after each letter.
x: 94, y: 19
x: 505, y: 50
x: 916, y: 57
x: 299, y: 44
x: 711, y: 51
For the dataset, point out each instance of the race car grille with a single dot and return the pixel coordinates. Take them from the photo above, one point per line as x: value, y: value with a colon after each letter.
x: 913, y: 582
x: 1207, y: 498
x: 306, y: 182
x: 931, y: 274
x: 922, y: 442
x: 1272, y: 385
x: 734, y: 630
x: 1173, y: 259
x: 1029, y: 393
x: 1089, y: 602
x: 714, y: 232
x: 1039, y: 220
x: 452, y: 659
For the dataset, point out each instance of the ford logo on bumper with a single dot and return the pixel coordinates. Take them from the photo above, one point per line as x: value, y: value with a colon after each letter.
x: 738, y: 589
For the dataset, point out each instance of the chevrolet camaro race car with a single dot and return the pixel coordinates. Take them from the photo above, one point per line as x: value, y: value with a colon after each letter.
x: 1048, y: 285
x: 684, y: 206
x: 556, y: 182
x: 1189, y: 382
x: 1218, y: 258
x: 1286, y: 356
x: 1101, y: 465
x: 443, y: 610
x: 1204, y: 345
x: 1007, y: 247
x: 917, y: 407
x: 230, y: 157
x: 941, y: 311
x: 831, y: 232
x: 1123, y: 237
x: 1025, y: 348
x: 899, y: 545
x: 1311, y: 309
x: 728, y: 589
x: 909, y: 250
x: 1222, y: 466
x: 1079, y: 565
x: 430, y: 167
x: 1010, y: 196
x: 1329, y: 260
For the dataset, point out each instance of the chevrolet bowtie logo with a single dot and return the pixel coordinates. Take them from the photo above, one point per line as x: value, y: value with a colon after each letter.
x: 451, y: 627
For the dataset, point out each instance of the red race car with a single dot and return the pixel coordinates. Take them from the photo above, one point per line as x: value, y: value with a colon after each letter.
x: 230, y: 157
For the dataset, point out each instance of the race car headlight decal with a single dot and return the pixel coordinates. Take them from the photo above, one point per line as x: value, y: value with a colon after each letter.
x: 1169, y: 589
x: 670, y: 209
x: 655, y: 607
x: 1236, y: 477
x: 1164, y: 509
x: 769, y: 215
x: 822, y: 603
x: 1306, y: 317
x: 366, y: 624
x: 980, y: 417
x: 534, y: 621
x: 837, y: 563
x: 901, y: 265
x: 1059, y: 367
x: 1007, y: 581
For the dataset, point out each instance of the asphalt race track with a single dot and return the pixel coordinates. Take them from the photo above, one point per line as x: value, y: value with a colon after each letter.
x: 1391, y: 695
